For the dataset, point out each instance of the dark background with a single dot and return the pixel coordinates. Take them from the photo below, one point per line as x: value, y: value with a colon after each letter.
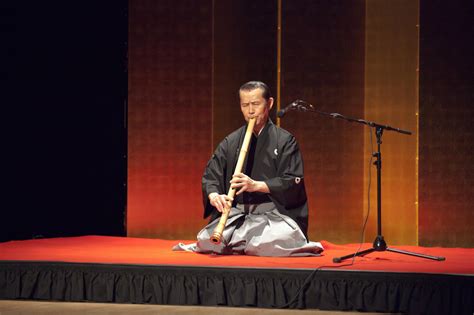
x: 63, y: 114
x: 446, y: 123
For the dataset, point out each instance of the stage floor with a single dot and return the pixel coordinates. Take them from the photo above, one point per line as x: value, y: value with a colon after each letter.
x: 61, y: 308
x: 147, y: 271
x: 127, y: 250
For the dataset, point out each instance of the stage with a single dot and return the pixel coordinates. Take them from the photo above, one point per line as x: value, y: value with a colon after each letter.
x: 134, y: 270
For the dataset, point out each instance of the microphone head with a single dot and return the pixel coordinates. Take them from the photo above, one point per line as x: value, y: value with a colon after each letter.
x: 281, y: 113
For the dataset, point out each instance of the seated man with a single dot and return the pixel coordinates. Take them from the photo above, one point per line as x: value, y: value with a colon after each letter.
x: 269, y: 214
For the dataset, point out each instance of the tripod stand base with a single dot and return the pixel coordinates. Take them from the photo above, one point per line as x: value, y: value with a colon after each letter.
x: 379, y: 245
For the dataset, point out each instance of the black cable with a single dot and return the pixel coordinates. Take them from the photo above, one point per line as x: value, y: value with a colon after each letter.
x: 362, y: 238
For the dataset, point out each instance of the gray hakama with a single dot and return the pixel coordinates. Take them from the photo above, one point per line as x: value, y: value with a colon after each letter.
x: 257, y: 230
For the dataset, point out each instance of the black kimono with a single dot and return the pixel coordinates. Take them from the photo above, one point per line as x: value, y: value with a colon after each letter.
x: 273, y: 157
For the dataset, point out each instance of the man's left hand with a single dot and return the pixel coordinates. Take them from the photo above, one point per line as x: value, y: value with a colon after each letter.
x: 243, y: 183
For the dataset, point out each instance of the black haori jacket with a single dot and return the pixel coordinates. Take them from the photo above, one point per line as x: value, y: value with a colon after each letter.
x: 276, y: 160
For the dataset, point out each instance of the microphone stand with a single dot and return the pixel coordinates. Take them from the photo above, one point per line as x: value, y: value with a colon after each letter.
x: 379, y: 243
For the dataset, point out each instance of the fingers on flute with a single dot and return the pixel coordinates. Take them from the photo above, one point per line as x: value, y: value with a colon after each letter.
x: 240, y: 183
x: 219, y: 206
x: 242, y: 189
x: 216, y: 202
x: 222, y: 201
x: 237, y: 178
x: 237, y: 185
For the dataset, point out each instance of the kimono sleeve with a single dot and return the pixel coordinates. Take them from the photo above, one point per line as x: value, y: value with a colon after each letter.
x: 214, y: 176
x: 288, y: 188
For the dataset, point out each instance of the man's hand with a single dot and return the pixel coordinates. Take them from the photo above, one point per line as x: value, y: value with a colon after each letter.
x: 219, y: 201
x: 243, y: 183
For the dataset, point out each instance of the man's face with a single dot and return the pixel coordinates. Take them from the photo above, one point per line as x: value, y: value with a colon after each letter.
x: 252, y: 104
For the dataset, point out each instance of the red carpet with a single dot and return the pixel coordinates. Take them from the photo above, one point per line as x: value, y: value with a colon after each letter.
x: 123, y: 250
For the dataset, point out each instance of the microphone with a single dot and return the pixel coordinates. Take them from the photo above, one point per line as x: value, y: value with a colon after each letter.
x: 283, y: 111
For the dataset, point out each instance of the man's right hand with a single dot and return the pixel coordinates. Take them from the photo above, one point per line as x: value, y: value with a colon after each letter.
x: 219, y: 201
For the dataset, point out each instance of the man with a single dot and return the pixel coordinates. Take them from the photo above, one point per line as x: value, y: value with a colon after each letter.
x: 269, y: 214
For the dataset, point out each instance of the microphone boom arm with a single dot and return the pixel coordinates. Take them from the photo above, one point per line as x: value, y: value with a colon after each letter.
x: 304, y: 106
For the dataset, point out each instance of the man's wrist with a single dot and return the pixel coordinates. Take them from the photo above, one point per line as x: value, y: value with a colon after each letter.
x: 261, y: 186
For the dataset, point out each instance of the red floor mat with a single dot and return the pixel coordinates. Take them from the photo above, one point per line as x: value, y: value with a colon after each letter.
x: 125, y: 250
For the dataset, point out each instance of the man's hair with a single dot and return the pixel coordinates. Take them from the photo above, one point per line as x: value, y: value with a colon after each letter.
x: 253, y: 85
